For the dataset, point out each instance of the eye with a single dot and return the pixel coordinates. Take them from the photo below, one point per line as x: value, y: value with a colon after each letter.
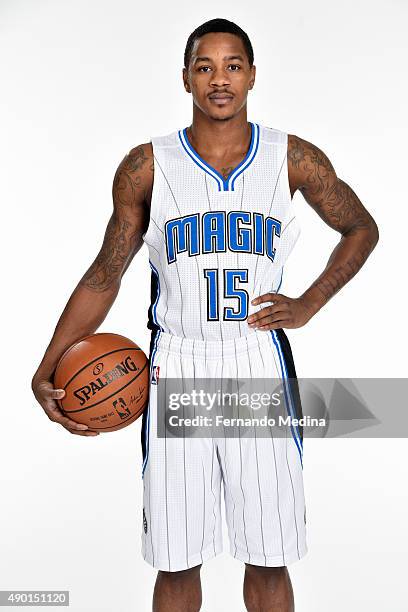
x: 235, y: 66
x: 203, y: 68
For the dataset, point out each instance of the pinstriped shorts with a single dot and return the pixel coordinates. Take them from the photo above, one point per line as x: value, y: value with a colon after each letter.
x: 185, y: 478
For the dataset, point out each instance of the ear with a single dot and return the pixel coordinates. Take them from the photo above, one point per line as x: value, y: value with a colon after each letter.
x: 252, y: 79
x: 185, y: 81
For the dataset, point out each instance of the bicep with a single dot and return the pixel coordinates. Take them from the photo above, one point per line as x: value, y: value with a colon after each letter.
x: 131, y: 189
x: 131, y: 192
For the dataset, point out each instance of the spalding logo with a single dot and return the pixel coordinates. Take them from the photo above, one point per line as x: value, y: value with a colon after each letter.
x: 123, y: 368
x: 97, y: 369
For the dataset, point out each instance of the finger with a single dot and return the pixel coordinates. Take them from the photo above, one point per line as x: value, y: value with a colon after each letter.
x: 267, y: 310
x: 286, y: 323
x: 82, y: 433
x: 46, y: 389
x: 55, y: 414
x: 67, y: 422
x: 267, y: 297
x: 278, y: 318
x: 54, y: 393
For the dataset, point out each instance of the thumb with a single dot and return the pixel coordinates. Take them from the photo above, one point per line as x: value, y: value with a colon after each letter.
x: 57, y: 393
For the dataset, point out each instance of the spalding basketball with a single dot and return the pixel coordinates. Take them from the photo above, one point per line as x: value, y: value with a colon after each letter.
x: 106, y: 381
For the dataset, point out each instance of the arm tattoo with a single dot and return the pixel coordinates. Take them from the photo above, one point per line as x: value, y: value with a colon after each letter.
x: 123, y: 234
x: 128, y: 179
x: 329, y: 196
x: 110, y: 260
x: 331, y: 282
x: 344, y: 208
x: 337, y: 204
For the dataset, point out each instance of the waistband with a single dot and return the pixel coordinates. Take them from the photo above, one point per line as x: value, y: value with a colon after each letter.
x: 213, y: 349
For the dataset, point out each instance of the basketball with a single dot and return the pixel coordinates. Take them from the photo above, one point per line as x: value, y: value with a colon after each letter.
x: 106, y: 381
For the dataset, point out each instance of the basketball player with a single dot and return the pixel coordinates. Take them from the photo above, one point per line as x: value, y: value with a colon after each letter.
x: 213, y: 203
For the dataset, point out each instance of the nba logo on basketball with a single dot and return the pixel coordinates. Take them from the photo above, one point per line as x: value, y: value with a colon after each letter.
x: 155, y: 375
x: 120, y: 404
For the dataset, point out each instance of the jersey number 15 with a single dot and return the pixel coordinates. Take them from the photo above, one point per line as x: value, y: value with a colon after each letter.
x: 230, y: 290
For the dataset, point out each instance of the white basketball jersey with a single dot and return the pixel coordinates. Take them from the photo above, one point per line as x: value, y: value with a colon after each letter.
x: 215, y: 244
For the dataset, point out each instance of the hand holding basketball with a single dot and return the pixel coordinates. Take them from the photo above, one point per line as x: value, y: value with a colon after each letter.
x: 47, y: 397
x: 102, y: 381
x: 106, y: 381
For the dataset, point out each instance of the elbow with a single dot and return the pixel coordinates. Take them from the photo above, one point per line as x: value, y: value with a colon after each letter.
x: 374, y: 234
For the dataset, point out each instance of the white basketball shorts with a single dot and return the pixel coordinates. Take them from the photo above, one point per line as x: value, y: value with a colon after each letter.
x: 183, y: 477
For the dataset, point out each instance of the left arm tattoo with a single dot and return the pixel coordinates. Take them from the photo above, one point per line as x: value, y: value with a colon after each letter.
x: 335, y: 202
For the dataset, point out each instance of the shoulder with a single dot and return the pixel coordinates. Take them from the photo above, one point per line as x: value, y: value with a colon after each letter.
x: 134, y: 176
x: 138, y: 157
x: 300, y: 151
x: 137, y: 163
x: 306, y: 162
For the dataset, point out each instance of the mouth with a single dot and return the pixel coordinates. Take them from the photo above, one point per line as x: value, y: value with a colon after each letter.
x: 220, y: 99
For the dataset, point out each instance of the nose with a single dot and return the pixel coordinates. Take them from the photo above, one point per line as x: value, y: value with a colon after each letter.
x: 219, y: 78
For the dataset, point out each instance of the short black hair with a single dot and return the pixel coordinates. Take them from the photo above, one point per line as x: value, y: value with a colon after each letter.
x: 218, y: 25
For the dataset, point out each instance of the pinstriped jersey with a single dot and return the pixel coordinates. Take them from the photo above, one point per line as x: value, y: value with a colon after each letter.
x: 216, y: 243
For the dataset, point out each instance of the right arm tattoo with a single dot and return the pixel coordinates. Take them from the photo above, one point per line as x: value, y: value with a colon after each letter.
x: 123, y: 236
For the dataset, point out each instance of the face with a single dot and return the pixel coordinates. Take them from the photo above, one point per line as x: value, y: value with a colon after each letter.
x: 219, y: 75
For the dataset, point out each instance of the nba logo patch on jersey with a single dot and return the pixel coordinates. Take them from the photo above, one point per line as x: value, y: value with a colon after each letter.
x: 155, y: 375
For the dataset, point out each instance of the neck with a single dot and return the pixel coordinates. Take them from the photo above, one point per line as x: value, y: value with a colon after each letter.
x: 220, y: 137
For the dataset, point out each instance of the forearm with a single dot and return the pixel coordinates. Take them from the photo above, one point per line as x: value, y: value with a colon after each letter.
x: 345, y: 261
x: 83, y: 314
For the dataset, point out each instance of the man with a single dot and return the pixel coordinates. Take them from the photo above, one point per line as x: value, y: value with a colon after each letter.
x: 213, y: 202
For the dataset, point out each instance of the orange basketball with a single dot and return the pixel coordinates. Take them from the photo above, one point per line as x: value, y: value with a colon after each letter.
x: 106, y: 381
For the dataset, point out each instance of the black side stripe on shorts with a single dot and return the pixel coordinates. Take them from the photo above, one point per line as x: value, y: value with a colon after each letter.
x: 293, y: 381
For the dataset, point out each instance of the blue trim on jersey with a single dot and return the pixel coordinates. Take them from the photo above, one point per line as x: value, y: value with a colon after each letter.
x: 148, y: 405
x: 157, y: 296
x: 288, y: 394
x: 250, y: 156
x: 197, y: 159
x: 228, y: 183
